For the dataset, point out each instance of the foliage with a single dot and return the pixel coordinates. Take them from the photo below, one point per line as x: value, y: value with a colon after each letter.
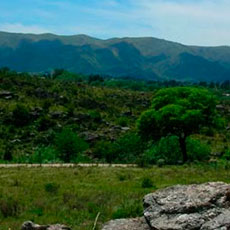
x: 44, y: 154
x: 178, y: 111
x: 147, y: 183
x: 69, y: 145
x: 129, y: 147
x: 20, y: 115
x: 52, y: 188
x: 105, y: 150
x: 167, y: 151
x: 197, y: 151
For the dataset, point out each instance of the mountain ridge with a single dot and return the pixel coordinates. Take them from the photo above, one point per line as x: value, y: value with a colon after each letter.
x: 139, y: 57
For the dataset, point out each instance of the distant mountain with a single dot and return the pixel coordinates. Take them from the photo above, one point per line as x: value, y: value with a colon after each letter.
x: 148, y: 58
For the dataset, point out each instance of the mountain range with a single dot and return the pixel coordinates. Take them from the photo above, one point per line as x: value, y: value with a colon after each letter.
x: 145, y: 57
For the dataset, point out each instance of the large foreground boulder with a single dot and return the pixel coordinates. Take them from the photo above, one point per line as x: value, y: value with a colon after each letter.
x: 204, y: 207
x: 29, y: 225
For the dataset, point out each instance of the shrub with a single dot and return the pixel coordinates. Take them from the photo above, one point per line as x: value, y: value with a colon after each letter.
x: 69, y: 145
x: 94, y: 115
x: 226, y: 155
x: 123, y: 121
x: 45, y: 123
x: 52, y: 188
x: 166, y: 150
x: 105, y: 150
x: 20, y: 115
x: 128, y: 148
x: 197, y: 151
x: 147, y: 183
x: 44, y: 154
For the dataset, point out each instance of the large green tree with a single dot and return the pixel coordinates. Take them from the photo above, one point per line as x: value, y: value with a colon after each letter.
x: 179, y: 111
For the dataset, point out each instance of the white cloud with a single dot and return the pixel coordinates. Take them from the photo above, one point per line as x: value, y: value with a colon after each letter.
x: 20, y: 28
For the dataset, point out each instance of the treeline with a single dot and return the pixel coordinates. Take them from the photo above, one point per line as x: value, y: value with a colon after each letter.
x: 126, y: 82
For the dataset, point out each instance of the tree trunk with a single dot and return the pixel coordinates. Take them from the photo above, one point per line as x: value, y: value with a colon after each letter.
x: 182, y: 141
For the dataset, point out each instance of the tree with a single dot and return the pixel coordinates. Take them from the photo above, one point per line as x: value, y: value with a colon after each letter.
x: 180, y: 111
x: 69, y: 145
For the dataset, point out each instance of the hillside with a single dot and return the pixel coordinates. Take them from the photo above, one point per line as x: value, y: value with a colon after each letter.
x: 136, y: 57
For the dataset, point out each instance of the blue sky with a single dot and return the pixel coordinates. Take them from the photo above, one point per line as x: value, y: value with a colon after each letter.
x: 193, y: 22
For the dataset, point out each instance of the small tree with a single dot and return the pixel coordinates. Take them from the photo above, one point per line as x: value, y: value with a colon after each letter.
x: 69, y: 145
x: 180, y: 111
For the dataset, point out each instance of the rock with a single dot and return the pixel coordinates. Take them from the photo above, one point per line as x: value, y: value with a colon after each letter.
x: 125, y: 128
x: 204, y: 207
x: 220, y: 107
x: 29, y: 225
x: 127, y: 224
x: 6, y: 94
x: 90, y: 137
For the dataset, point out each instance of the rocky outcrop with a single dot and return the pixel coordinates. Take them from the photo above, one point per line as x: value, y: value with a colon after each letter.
x: 181, y: 207
x: 205, y: 207
x: 28, y: 225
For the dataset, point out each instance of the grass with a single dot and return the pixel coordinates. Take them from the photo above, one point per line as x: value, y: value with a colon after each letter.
x: 74, y: 196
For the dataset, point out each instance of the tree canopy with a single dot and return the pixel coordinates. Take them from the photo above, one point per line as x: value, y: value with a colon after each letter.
x: 179, y: 111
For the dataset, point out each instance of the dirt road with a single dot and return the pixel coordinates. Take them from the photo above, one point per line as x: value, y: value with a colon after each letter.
x: 67, y: 165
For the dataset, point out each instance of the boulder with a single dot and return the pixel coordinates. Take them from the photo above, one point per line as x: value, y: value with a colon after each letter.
x: 204, y: 207
x: 29, y: 225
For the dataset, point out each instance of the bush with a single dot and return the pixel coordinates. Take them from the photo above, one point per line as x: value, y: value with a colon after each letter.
x: 128, y: 148
x: 123, y: 121
x: 44, y: 154
x: 147, y: 183
x: 105, y: 150
x: 197, y: 151
x: 44, y: 123
x: 226, y: 155
x: 167, y: 150
x: 52, y: 188
x: 69, y: 145
x: 20, y: 115
x: 95, y: 116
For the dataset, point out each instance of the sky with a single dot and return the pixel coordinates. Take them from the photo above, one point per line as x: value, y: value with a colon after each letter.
x: 191, y: 22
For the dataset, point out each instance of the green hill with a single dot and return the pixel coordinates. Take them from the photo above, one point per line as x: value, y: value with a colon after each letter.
x: 136, y: 57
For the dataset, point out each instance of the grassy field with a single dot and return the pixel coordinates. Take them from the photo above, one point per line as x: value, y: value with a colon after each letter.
x: 74, y: 196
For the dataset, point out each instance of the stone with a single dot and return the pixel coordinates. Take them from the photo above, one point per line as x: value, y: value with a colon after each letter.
x: 127, y: 224
x: 204, y: 207
x: 29, y: 225
x: 6, y: 94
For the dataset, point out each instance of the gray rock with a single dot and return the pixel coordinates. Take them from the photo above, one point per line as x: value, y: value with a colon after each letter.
x: 192, y: 207
x: 29, y: 225
x: 127, y: 224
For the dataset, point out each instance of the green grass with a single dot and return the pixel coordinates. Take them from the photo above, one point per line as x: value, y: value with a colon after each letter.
x: 74, y: 196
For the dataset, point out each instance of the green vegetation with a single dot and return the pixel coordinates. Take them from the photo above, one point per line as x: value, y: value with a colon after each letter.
x: 74, y: 196
x: 65, y: 117
x: 180, y: 112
